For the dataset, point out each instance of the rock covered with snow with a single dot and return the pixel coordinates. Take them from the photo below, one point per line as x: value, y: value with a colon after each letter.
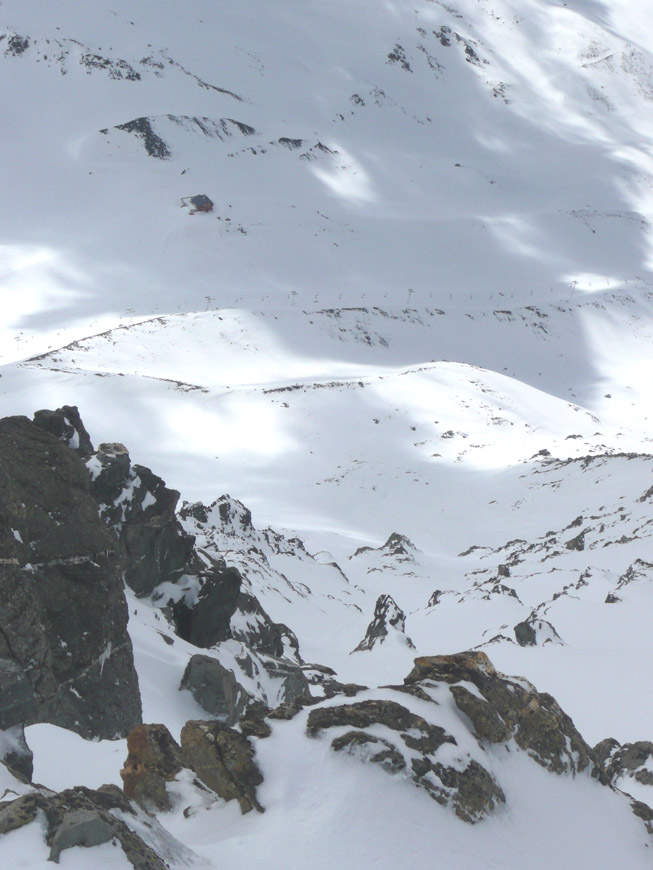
x: 388, y: 617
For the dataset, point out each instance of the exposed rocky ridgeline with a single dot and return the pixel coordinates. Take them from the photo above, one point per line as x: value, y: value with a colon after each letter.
x: 159, y: 556
x: 65, y: 655
x: 263, y: 557
x: 398, y: 555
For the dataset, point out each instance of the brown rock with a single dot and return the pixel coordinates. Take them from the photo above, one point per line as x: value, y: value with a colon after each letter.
x: 154, y: 758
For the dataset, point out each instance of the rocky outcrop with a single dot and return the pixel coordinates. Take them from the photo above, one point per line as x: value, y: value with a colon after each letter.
x: 508, y: 708
x: 388, y: 616
x: 140, y: 510
x: 536, y: 632
x: 223, y: 759
x: 252, y: 625
x: 226, y: 687
x: 627, y: 763
x: 84, y: 817
x: 66, y: 425
x: 154, y: 759
x: 467, y: 787
x: 202, y: 616
x: 65, y: 654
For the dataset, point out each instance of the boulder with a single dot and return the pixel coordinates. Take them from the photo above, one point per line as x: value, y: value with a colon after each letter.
x: 536, y: 632
x: 84, y: 817
x: 215, y: 688
x: 154, y: 758
x: 223, y: 759
x: 63, y: 626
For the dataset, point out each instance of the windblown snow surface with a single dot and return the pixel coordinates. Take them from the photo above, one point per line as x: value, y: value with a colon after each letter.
x: 422, y: 304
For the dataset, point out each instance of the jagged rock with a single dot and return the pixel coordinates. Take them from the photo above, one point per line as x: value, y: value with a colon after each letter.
x: 153, y: 759
x: 15, y: 753
x: 252, y: 625
x: 66, y: 425
x: 215, y: 688
x: 223, y: 760
x: 203, y: 619
x: 387, y: 614
x: 534, y: 719
x: 64, y: 616
x: 534, y: 632
x: 140, y: 510
x: 84, y: 817
x: 630, y: 761
x: 471, y: 790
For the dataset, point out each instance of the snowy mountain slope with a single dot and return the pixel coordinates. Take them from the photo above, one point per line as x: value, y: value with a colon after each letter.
x: 421, y: 307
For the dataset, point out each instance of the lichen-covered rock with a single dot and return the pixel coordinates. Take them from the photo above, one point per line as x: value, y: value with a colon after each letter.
x: 534, y: 719
x: 64, y: 616
x: 252, y: 723
x: 154, y: 758
x: 388, y: 616
x: 466, y: 786
x: 223, y: 759
x: 627, y: 762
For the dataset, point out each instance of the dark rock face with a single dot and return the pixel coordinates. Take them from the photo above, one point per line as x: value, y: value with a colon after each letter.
x: 511, y: 709
x: 66, y: 425
x: 63, y: 624
x: 204, y: 620
x: 259, y: 632
x: 471, y: 791
x: 153, y: 759
x: 140, y: 510
x: 223, y: 760
x: 82, y: 817
x: 215, y: 688
x: 387, y: 614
